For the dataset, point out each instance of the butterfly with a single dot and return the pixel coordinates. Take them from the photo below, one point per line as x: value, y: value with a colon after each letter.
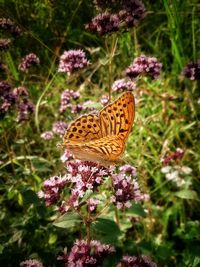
x: 101, y: 137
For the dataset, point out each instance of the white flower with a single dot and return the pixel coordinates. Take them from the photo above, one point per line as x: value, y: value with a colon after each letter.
x: 172, y: 176
x: 166, y: 169
x: 186, y: 169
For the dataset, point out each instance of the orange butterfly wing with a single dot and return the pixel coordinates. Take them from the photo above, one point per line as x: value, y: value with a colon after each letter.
x: 102, y: 137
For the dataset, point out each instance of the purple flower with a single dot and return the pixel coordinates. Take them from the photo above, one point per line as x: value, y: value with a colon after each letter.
x: 72, y: 60
x: 9, y: 26
x: 85, y: 253
x: 76, y: 108
x: 7, y: 98
x: 133, y: 261
x: 52, y: 188
x: 132, y: 12
x: 4, y: 88
x: 66, y: 156
x: 4, y: 44
x: 20, y: 91
x: 92, y: 204
x: 192, y: 70
x: 104, y: 23
x: 48, y: 135
x: 126, y: 188
x: 66, y: 97
x: 123, y: 85
x: 86, y: 175
x: 25, y: 107
x: 28, y: 61
x: 59, y: 127
x: 31, y: 263
x: 104, y: 100
x: 178, y: 154
x: 144, y: 65
x: 128, y: 170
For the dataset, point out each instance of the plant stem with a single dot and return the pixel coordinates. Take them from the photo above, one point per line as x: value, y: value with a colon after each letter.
x: 39, y: 101
x: 116, y: 216
x: 110, y: 61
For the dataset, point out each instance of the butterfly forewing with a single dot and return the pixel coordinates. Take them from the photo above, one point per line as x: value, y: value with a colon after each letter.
x: 117, y: 118
x: 85, y: 128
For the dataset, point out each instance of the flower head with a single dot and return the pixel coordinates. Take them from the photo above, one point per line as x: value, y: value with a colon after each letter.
x: 9, y: 26
x: 123, y: 85
x: 59, y: 127
x: 28, y: 61
x: 4, y: 44
x: 31, y: 263
x: 25, y: 107
x: 133, y: 261
x: 144, y: 65
x: 7, y: 98
x: 72, y: 60
x: 52, y: 188
x: 84, y: 253
x: 20, y: 91
x: 178, y: 154
x: 104, y: 23
x: 66, y: 97
x: 86, y: 175
x: 48, y: 135
x: 192, y: 70
x: 126, y: 188
x: 176, y: 174
x: 132, y: 12
x: 66, y: 156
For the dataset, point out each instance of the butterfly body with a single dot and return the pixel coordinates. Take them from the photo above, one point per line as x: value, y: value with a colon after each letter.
x: 101, y: 137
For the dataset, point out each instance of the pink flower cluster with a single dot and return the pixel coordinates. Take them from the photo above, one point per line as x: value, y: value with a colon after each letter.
x: 17, y: 98
x: 72, y: 60
x: 116, y: 16
x: 178, y: 154
x: 28, y: 61
x: 104, y: 23
x: 126, y: 188
x: 84, y: 253
x: 9, y: 26
x: 52, y: 189
x: 31, y: 263
x: 83, y: 176
x: 192, y: 70
x: 144, y: 65
x: 59, y: 128
x: 123, y: 85
x: 66, y: 97
x: 5, y: 43
x: 133, y: 261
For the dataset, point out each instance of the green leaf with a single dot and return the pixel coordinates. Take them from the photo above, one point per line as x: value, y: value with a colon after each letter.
x: 196, y: 262
x: 187, y: 194
x: 136, y: 209
x: 107, y: 230
x: 68, y: 220
x: 52, y: 239
x: 30, y: 197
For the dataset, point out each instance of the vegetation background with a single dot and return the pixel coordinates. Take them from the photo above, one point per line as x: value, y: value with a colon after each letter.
x: 167, y: 116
